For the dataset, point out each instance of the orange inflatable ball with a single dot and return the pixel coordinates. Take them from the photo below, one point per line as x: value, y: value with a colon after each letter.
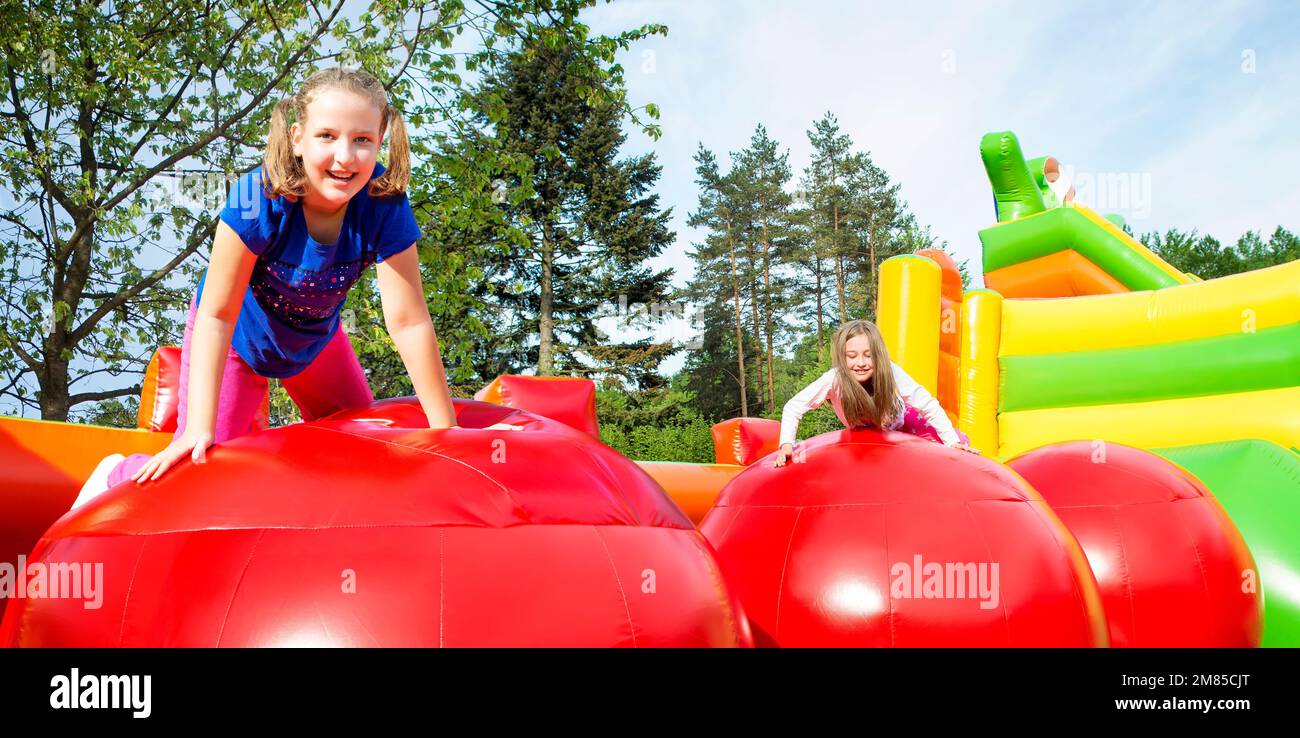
x: 1173, y: 569
x: 368, y: 529
x: 885, y: 539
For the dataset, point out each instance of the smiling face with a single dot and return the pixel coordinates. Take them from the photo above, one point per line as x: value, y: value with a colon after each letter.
x: 858, y: 359
x: 338, y: 142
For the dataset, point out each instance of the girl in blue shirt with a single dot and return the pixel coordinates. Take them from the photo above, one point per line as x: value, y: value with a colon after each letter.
x: 292, y: 239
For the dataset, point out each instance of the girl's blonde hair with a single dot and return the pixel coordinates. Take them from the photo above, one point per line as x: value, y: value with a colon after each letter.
x: 284, y: 174
x: 874, y: 404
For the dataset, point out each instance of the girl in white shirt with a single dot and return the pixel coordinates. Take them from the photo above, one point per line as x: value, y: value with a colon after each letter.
x: 862, y: 397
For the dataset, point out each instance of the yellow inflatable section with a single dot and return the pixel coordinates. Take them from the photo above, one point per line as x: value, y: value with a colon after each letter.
x: 1196, y: 363
x: 1239, y: 303
x: 1270, y: 415
x: 1221, y: 331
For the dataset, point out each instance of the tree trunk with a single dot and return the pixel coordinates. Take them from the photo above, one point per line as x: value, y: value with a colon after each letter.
x: 817, y: 271
x: 758, y: 329
x: 740, y: 340
x: 54, y: 388
x: 839, y: 264
x: 767, y: 306
x: 839, y: 287
x: 546, y: 343
x: 69, y: 278
x: 873, y: 296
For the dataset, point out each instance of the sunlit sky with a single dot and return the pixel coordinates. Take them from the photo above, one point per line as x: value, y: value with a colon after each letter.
x: 1195, y: 102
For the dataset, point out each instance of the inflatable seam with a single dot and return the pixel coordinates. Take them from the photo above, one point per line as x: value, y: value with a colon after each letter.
x: 780, y: 587
x: 234, y: 594
x: 618, y: 581
x: 1127, y: 577
x: 442, y: 587
x: 126, y: 603
x: 1002, y: 600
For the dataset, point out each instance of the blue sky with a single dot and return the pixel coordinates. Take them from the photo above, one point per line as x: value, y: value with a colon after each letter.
x: 1197, y: 101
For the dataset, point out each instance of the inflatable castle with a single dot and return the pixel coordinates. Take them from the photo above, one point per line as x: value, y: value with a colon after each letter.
x: 1140, y: 486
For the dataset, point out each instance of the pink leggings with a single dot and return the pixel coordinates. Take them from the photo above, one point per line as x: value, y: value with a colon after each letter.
x: 333, y: 381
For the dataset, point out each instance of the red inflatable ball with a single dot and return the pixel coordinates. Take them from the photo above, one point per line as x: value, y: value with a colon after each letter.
x: 1172, y: 567
x: 368, y: 529
x: 886, y: 539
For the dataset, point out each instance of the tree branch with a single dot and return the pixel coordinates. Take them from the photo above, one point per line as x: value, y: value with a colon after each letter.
x: 216, y: 133
x: 30, y: 140
x: 123, y: 296
x: 12, y: 382
x: 8, y: 341
x: 415, y: 44
x: 23, y: 401
x: 180, y: 93
x: 105, y: 395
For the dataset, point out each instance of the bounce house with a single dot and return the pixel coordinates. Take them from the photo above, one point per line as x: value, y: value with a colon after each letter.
x: 1139, y: 486
x: 1082, y: 334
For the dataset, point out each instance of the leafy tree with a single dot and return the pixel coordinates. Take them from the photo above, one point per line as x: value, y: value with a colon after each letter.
x: 761, y: 174
x: 591, y: 222
x: 717, y: 289
x: 825, y: 191
x: 122, y: 123
x: 659, y: 424
x: 1207, y: 258
x: 874, y: 218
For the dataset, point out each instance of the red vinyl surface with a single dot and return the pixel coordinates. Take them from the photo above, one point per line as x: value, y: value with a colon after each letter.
x: 369, y: 529
x: 570, y: 400
x: 824, y: 551
x: 745, y: 440
x: 1170, y: 563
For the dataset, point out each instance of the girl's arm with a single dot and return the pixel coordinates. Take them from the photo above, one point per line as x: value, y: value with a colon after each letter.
x: 224, y: 286
x: 924, y: 402
x: 407, y: 317
x: 809, y: 398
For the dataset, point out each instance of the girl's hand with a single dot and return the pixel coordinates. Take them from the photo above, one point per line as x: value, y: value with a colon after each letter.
x: 783, y: 455
x: 194, y: 444
x: 967, y: 449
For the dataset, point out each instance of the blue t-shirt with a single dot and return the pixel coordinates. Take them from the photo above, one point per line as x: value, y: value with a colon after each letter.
x: 296, y: 292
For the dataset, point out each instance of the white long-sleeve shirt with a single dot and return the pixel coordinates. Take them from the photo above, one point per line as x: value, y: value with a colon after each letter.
x: 812, y: 397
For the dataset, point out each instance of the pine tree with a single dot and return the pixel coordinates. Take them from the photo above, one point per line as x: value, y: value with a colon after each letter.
x: 874, y: 216
x: 592, y: 222
x: 762, y: 173
x: 825, y: 188
x: 717, y: 283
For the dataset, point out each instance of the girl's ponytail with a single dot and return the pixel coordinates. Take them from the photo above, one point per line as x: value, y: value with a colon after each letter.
x: 397, y: 174
x: 283, y: 174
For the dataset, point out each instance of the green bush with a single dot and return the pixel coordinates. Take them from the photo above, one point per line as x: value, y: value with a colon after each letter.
x: 691, y: 442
